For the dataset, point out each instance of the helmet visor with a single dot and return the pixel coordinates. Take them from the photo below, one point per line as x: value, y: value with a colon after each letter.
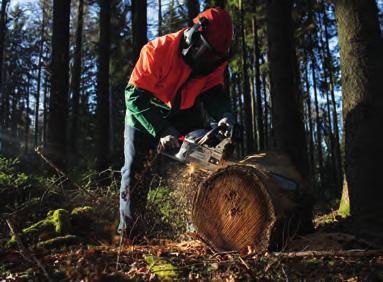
x: 204, y: 58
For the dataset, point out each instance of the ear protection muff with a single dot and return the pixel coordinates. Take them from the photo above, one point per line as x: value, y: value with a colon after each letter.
x: 191, y: 35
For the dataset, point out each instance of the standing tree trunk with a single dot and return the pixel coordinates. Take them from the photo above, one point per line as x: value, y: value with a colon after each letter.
x: 58, y: 106
x: 266, y: 103
x: 37, y: 105
x: 257, y: 55
x: 219, y: 3
x: 310, y: 121
x: 247, y: 95
x: 103, y: 87
x: 172, y: 18
x: 317, y: 120
x: 361, y: 58
x: 241, y: 115
x: 45, y: 111
x: 76, y: 78
x: 159, y: 18
x: 3, y: 28
x: 286, y: 111
x: 333, y: 102
x: 333, y: 178
x: 193, y: 10
x: 27, y: 119
x: 139, y: 26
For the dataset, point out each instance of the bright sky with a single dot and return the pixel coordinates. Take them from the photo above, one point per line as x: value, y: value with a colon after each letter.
x: 14, y: 2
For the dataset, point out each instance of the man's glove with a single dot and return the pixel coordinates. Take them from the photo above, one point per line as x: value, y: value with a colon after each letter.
x: 227, y: 124
x: 169, y: 139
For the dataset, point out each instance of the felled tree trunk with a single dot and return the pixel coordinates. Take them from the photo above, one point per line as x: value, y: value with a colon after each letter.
x: 255, y: 203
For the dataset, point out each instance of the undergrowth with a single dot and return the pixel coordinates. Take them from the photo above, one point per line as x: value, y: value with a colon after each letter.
x: 27, y: 198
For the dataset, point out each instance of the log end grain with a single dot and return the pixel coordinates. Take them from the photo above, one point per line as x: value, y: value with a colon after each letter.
x: 233, y: 209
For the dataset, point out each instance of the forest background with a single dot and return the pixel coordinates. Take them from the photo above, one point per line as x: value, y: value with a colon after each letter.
x: 64, y: 66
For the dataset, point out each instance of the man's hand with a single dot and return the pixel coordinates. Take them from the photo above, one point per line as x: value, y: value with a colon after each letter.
x: 227, y: 124
x: 169, y: 139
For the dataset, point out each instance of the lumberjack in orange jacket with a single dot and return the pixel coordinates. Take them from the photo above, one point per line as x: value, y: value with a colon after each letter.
x: 176, y: 86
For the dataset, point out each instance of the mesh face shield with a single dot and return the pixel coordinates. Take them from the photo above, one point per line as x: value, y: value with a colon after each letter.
x: 202, y: 57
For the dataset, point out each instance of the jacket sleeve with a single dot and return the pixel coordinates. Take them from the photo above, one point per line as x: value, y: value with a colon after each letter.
x: 216, y: 102
x: 145, y: 112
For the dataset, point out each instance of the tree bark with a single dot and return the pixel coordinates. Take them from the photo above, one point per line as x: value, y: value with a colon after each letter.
x: 45, y: 112
x: 159, y: 17
x: 27, y: 119
x: 257, y: 55
x: 361, y: 58
x: 338, y: 155
x: 242, y: 148
x: 3, y: 29
x: 172, y: 17
x: 58, y: 107
x: 215, y: 3
x: 37, y: 106
x: 193, y: 10
x: 286, y: 109
x: 317, y: 120
x: 310, y: 121
x: 333, y: 175
x: 139, y: 26
x: 219, y: 3
x: 76, y: 78
x: 103, y: 154
x: 266, y: 103
x: 250, y: 142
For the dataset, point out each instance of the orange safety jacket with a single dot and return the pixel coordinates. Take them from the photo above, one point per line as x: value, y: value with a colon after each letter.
x: 161, y: 70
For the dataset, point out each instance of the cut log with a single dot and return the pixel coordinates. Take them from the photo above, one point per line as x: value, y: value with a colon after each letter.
x: 255, y: 203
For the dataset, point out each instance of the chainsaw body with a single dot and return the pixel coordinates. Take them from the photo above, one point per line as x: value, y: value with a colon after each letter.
x: 206, y: 148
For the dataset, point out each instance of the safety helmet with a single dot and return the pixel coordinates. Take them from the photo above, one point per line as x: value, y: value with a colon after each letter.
x: 206, y: 45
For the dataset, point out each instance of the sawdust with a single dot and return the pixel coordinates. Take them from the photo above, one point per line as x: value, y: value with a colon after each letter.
x: 183, y: 181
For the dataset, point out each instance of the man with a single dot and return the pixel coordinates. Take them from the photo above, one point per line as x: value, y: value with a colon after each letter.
x: 176, y: 87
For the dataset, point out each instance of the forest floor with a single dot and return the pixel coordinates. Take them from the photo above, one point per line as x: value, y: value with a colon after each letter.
x: 328, y: 254
x: 322, y: 255
x: 188, y: 260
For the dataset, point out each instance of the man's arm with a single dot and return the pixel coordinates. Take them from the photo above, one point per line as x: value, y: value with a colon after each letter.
x: 216, y: 102
x: 145, y: 112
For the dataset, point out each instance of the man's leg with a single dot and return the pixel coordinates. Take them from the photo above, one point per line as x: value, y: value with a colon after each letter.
x: 137, y: 152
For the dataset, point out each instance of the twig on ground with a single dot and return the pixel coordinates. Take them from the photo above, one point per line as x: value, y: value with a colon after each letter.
x: 25, y: 253
x: 284, y: 273
x: 244, y: 263
x: 340, y: 253
x: 119, y: 250
x: 220, y: 253
x: 62, y: 174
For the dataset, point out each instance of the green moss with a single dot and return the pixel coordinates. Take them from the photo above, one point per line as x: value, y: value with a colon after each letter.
x: 162, y: 268
x: 28, y: 274
x: 344, y: 206
x: 83, y: 211
x: 61, y: 221
x: 344, y: 209
x: 314, y: 261
x: 60, y: 241
x: 56, y: 223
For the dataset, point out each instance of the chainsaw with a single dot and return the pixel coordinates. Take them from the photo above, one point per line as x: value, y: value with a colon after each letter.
x: 205, y: 148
